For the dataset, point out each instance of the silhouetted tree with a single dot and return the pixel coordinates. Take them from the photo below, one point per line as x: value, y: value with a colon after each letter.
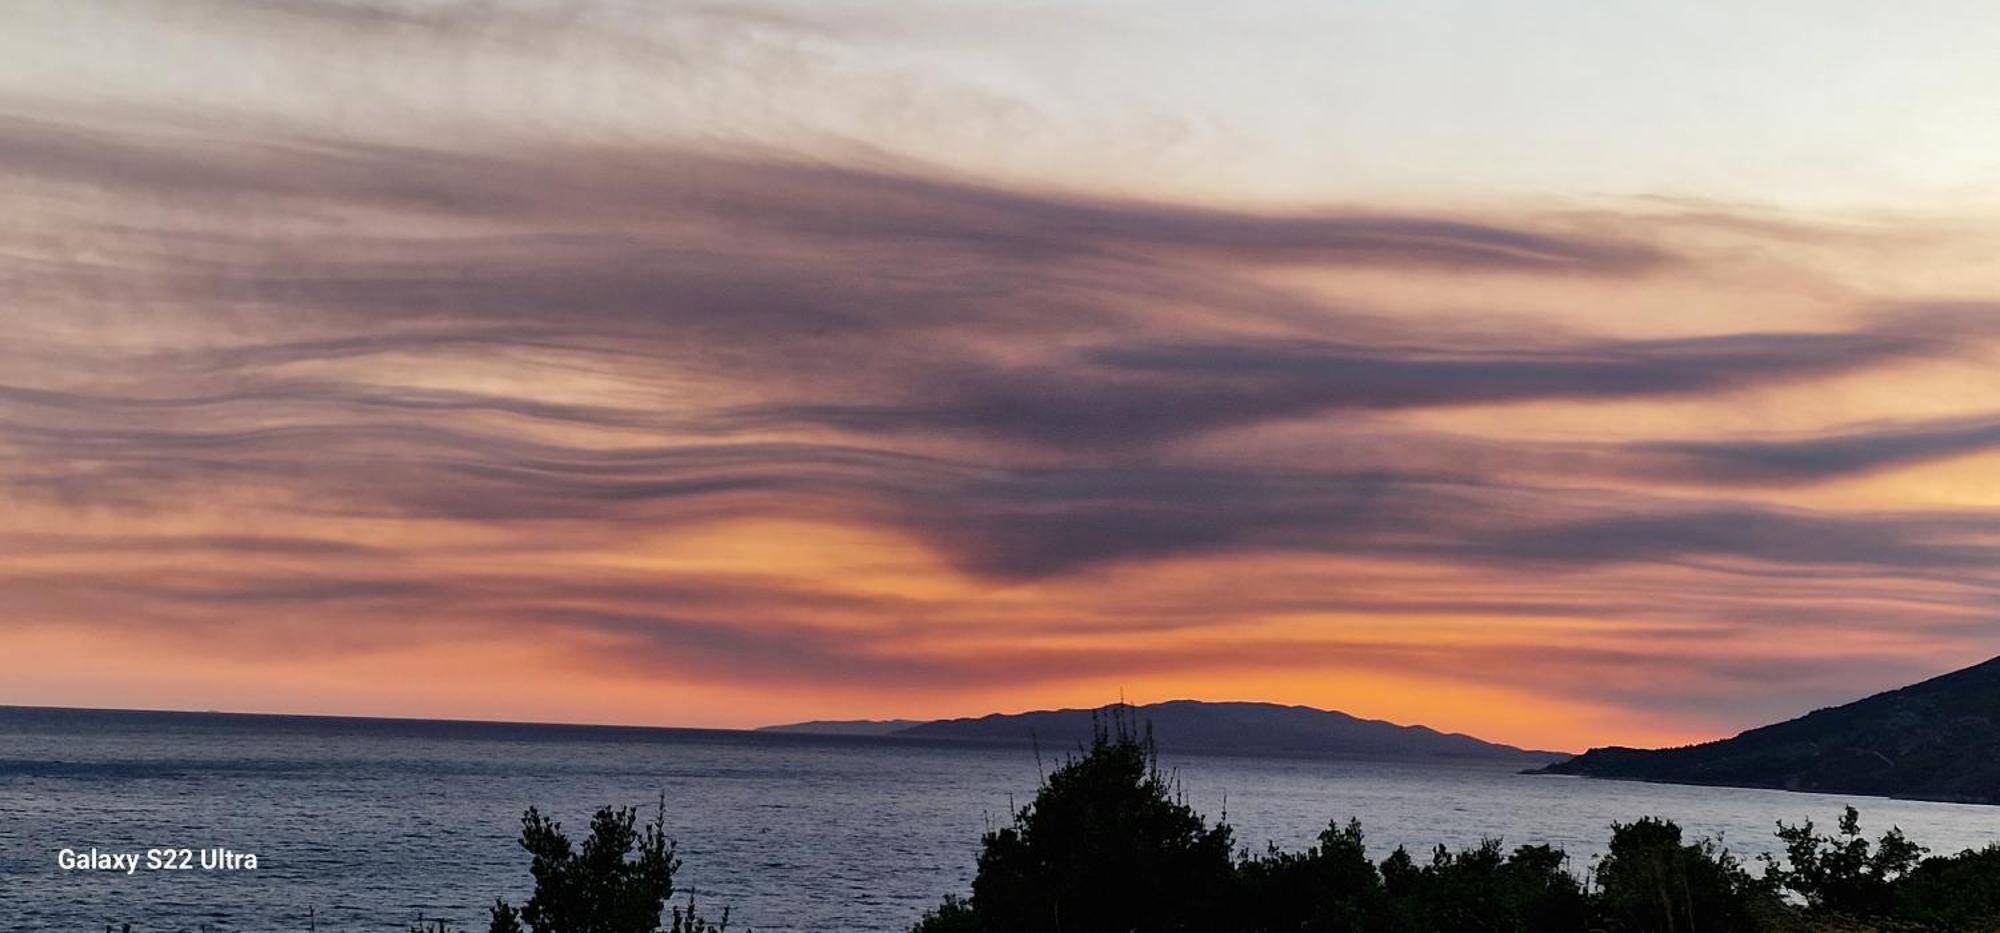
x: 1843, y: 874
x: 953, y: 916
x: 1651, y: 881
x: 618, y: 882
x: 1484, y: 888
x: 1956, y: 892
x: 1106, y: 845
x: 1331, y: 886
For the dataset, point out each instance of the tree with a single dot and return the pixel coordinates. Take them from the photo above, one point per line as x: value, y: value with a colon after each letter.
x: 1651, y: 881
x: 1106, y: 844
x: 1484, y: 888
x: 619, y: 881
x: 953, y: 916
x: 1957, y: 892
x: 1843, y: 874
x: 1329, y: 887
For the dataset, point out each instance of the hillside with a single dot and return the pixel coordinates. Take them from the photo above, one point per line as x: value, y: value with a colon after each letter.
x: 1260, y: 728
x: 1936, y: 740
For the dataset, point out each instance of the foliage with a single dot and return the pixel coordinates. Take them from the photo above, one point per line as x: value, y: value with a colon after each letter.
x: 1106, y: 844
x: 1843, y: 874
x: 953, y: 916
x: 1485, y: 888
x: 1330, y: 886
x: 1651, y: 880
x: 688, y: 920
x: 1956, y: 892
x: 618, y: 881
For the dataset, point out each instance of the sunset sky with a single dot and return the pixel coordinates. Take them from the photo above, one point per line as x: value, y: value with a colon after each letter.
x: 1565, y: 373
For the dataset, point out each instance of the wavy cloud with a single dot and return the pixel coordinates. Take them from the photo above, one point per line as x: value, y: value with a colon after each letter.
x: 802, y: 418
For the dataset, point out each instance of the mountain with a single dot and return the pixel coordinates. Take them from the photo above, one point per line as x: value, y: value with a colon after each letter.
x: 1263, y: 728
x: 1937, y: 740
x: 843, y: 726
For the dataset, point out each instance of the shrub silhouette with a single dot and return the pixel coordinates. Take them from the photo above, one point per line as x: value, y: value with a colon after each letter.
x: 1483, y: 888
x: 688, y: 920
x: 1105, y: 845
x: 1108, y: 846
x: 618, y: 882
x: 1956, y: 892
x: 1843, y: 874
x: 1650, y: 880
x: 1330, y: 886
x: 953, y: 916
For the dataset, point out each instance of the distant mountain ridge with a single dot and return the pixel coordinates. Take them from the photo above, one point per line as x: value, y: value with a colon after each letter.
x: 843, y: 726
x: 1935, y: 740
x: 1262, y: 728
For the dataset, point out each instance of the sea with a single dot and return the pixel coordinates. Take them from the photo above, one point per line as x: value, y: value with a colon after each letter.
x: 370, y: 824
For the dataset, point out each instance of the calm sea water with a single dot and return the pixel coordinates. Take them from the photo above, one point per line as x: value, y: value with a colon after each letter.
x: 365, y: 824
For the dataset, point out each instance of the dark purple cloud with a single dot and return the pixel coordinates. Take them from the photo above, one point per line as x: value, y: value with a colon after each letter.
x: 1117, y: 396
x: 1821, y: 457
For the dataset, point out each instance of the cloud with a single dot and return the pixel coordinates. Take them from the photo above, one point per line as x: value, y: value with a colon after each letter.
x: 1821, y: 457
x: 999, y: 522
x: 544, y: 183
x: 366, y: 395
x: 1124, y: 395
x: 1906, y: 542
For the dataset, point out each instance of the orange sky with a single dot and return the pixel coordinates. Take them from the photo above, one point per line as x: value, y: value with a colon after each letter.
x: 730, y: 365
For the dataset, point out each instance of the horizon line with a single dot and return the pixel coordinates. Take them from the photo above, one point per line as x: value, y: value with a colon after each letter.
x: 767, y: 729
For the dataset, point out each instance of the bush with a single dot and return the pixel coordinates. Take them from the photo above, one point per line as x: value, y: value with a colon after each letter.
x: 1484, y: 888
x: 1331, y: 886
x: 1106, y: 844
x: 1958, y: 892
x: 953, y: 916
x: 1651, y: 881
x: 1843, y: 874
x: 618, y: 882
x: 1108, y: 847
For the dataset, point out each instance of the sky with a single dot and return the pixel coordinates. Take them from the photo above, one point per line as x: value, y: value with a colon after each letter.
x: 1566, y: 374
